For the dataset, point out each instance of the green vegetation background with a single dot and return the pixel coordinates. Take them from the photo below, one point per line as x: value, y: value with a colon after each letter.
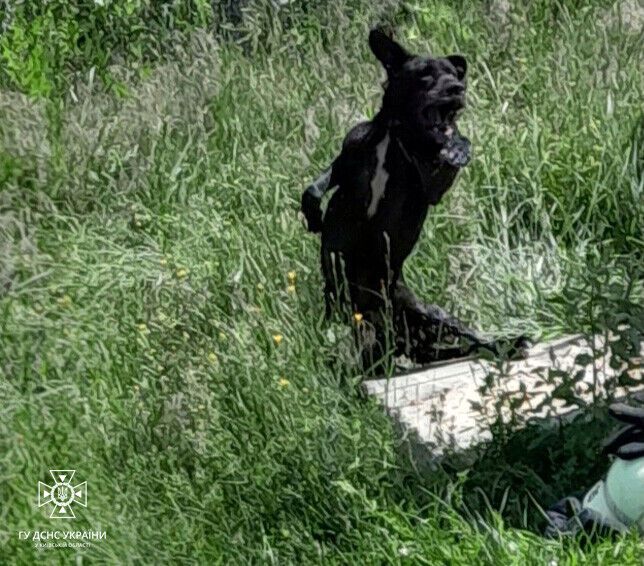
x: 161, y: 322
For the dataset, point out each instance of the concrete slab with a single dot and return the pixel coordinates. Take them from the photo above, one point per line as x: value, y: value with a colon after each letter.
x: 451, y: 405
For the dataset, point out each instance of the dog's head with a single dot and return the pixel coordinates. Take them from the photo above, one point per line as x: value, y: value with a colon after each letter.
x: 423, y: 94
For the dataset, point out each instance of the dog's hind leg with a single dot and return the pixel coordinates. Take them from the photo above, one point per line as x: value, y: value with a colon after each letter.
x: 423, y: 331
x: 427, y: 333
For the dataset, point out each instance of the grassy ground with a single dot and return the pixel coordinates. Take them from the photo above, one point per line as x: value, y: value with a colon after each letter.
x: 152, y: 339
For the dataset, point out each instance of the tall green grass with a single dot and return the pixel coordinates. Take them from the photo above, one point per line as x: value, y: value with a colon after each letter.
x: 147, y: 234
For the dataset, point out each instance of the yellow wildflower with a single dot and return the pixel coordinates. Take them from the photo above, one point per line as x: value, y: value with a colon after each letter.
x: 222, y: 336
x: 290, y: 289
x: 357, y: 317
x: 181, y: 273
x: 277, y: 338
x: 142, y: 327
x: 291, y: 277
x: 283, y: 382
x: 163, y: 262
x: 212, y: 358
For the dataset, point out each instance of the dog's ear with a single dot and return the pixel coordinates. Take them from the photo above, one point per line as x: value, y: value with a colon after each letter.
x: 389, y: 53
x: 460, y: 64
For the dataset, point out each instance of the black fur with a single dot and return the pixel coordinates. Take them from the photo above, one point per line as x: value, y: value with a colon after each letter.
x: 365, y: 243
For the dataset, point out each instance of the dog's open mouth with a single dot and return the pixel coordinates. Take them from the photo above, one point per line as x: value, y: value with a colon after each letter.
x: 441, y: 120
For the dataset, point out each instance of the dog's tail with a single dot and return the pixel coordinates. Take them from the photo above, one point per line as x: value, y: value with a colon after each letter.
x: 312, y: 201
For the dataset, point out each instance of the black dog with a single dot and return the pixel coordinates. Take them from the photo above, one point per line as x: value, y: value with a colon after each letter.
x: 388, y: 174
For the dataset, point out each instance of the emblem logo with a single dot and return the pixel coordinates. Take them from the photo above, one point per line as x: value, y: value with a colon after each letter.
x: 62, y: 495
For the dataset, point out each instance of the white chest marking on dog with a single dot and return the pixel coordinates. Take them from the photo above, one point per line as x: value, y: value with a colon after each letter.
x: 380, y: 176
